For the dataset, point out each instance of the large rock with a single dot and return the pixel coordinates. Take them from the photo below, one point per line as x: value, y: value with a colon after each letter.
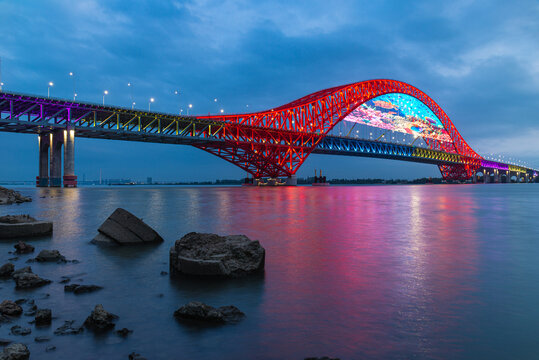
x: 8, y: 197
x: 124, y: 228
x: 17, y: 226
x: 50, y: 256
x: 214, y: 255
x: 15, y: 352
x: 198, y: 311
x: 100, y: 319
x: 10, y: 308
x: 26, y: 279
x: 23, y: 248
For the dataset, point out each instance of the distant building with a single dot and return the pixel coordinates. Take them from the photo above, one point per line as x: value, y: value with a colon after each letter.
x: 149, y: 180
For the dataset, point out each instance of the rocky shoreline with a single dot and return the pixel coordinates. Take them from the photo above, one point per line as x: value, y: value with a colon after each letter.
x: 206, y: 255
x: 8, y: 197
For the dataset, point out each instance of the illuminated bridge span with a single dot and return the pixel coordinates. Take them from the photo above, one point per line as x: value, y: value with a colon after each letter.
x: 378, y: 118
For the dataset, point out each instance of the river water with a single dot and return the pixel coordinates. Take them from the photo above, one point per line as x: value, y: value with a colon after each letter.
x: 356, y: 272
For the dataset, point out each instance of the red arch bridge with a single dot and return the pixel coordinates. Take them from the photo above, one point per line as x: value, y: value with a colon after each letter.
x: 377, y: 118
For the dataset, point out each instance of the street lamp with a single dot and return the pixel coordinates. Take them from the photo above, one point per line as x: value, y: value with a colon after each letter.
x: 1, y: 84
x: 51, y: 84
x: 106, y: 92
x: 190, y: 106
x: 74, y: 92
x: 133, y: 105
x: 222, y: 111
x: 181, y: 110
x: 177, y: 92
x: 150, y: 103
x: 130, y: 93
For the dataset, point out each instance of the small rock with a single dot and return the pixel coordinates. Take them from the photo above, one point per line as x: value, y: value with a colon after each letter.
x: 6, y: 270
x: 201, y: 312
x: 50, y: 348
x: 164, y: 273
x: 15, y: 258
x: 4, y: 342
x: 135, y: 356
x: 23, y: 248
x: 15, y: 352
x: 41, y: 339
x: 18, y: 330
x: 10, y: 308
x: 21, y: 301
x: 68, y: 329
x: 124, y: 332
x: 100, y: 319
x: 64, y: 281
x: 50, y: 256
x: 81, y: 289
x: 43, y: 317
x: 28, y: 280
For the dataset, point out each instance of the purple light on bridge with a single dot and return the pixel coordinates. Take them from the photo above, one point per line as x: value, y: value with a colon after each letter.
x: 494, y: 165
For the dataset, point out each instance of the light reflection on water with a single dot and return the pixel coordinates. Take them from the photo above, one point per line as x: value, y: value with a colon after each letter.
x: 425, y: 272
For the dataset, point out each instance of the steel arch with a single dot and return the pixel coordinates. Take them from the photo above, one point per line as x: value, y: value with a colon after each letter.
x: 276, y: 142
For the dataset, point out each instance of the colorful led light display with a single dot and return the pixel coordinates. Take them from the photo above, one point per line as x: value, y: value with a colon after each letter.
x: 402, y: 113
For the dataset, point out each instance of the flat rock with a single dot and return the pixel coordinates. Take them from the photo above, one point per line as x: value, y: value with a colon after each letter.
x: 43, y: 317
x: 40, y: 339
x: 68, y: 329
x: 17, y: 226
x: 18, y: 330
x: 8, y: 197
x: 15, y: 352
x: 124, y: 228
x: 23, y: 248
x: 50, y: 256
x: 6, y: 270
x: 214, y: 255
x: 10, y: 308
x: 100, y: 319
x: 81, y: 289
x: 199, y: 311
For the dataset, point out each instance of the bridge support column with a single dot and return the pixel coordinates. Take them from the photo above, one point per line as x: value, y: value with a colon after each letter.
x: 44, y: 143
x: 292, y: 180
x: 56, y: 140
x: 496, y: 176
x: 474, y: 177
x: 70, y: 180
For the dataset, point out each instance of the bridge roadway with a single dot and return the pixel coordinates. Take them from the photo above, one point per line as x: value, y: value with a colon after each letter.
x: 57, y: 121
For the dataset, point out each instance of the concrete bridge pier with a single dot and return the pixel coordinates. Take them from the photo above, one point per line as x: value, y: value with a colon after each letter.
x: 44, y: 144
x: 70, y: 180
x: 292, y: 180
x: 56, y: 141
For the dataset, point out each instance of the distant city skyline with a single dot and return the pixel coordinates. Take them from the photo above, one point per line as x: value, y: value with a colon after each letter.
x: 242, y: 57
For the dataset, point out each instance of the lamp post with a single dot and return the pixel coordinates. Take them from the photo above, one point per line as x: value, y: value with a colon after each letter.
x: 150, y: 104
x: 74, y: 92
x: 130, y: 94
x: 177, y: 92
x: 106, y: 92
x: 222, y: 111
x: 1, y: 84
x: 190, y: 106
x: 133, y: 105
x: 51, y: 84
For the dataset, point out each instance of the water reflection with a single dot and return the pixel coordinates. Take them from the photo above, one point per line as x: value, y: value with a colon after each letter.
x: 356, y: 272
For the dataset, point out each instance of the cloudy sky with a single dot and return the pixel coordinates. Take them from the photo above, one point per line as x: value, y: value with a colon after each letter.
x: 479, y: 60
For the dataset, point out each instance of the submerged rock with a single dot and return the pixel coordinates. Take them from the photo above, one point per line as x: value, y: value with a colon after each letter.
x: 26, y: 279
x: 81, y: 289
x: 16, y: 226
x: 50, y: 256
x: 6, y: 270
x: 10, y: 308
x: 40, y: 339
x: 124, y: 228
x: 18, y: 330
x: 100, y: 319
x: 136, y: 356
x: 15, y: 352
x: 8, y: 197
x: 43, y: 317
x: 124, y: 332
x: 214, y: 255
x: 68, y: 329
x: 23, y: 248
x: 199, y: 311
